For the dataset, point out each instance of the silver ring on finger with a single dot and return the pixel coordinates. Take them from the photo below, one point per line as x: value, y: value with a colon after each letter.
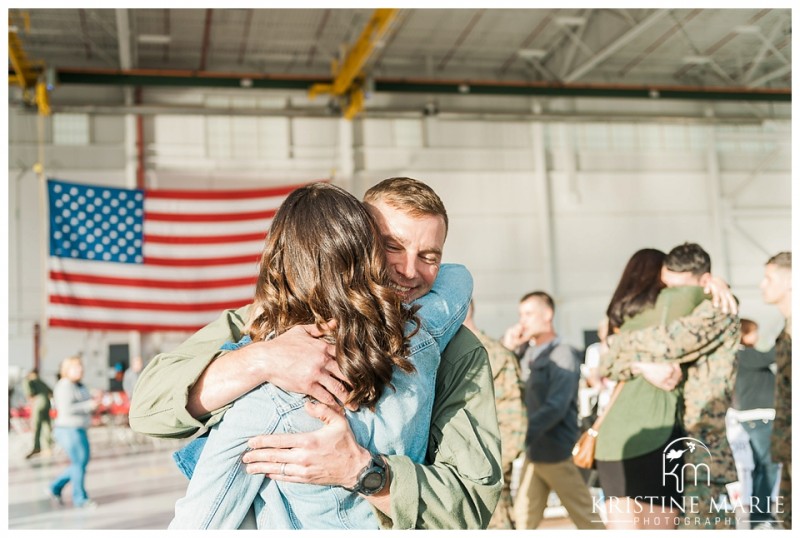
x: 283, y: 468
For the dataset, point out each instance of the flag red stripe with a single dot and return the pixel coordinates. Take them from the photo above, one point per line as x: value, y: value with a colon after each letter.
x: 222, y: 195
x: 132, y: 297
x: 201, y: 262
x: 153, y: 283
x: 205, y: 240
x: 141, y: 305
x: 208, y: 217
x: 113, y: 326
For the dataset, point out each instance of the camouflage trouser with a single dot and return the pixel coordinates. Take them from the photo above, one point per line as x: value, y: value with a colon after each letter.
x: 785, y: 494
x: 503, y: 516
x: 700, y: 513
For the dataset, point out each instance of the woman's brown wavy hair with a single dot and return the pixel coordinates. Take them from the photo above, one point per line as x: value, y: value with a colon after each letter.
x: 323, y: 260
x: 638, y: 287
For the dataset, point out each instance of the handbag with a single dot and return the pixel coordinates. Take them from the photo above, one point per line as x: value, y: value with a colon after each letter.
x: 583, y: 452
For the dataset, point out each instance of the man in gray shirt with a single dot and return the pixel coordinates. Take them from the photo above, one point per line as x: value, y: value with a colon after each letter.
x: 551, y: 395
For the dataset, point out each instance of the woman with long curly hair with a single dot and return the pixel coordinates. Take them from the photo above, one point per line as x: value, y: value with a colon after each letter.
x: 323, y: 264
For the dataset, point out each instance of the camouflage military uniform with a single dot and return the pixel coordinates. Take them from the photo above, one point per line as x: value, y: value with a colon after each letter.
x: 512, y: 419
x: 705, y: 344
x: 782, y: 427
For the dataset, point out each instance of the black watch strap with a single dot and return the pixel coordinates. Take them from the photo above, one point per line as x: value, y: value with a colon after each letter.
x: 372, y: 478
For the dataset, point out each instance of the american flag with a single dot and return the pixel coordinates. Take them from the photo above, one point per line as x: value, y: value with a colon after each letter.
x: 153, y: 260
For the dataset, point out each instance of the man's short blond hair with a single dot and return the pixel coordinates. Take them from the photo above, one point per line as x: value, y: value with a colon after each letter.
x: 782, y: 260
x: 67, y: 363
x: 409, y: 195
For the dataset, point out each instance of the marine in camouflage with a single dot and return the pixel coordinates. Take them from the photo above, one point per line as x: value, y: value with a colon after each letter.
x: 705, y: 344
x: 512, y: 419
x: 782, y: 427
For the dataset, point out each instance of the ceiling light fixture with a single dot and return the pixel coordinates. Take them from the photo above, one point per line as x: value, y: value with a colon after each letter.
x: 531, y: 54
x: 154, y: 39
x: 747, y: 29
x: 696, y: 60
x: 571, y: 21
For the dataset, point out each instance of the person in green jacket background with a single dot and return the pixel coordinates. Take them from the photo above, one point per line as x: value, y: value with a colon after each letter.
x: 704, y: 344
x: 39, y: 393
x: 643, y: 419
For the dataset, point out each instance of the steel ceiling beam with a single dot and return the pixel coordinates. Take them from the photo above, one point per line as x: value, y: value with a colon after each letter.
x: 400, y: 21
x: 760, y: 55
x: 769, y: 76
x: 167, y: 31
x: 660, y: 41
x: 548, y: 75
x: 25, y: 75
x: 188, y: 78
x: 526, y: 43
x: 617, y: 44
x: 245, y: 35
x: 33, y: 82
x: 462, y: 36
x: 317, y: 36
x: 577, y: 39
x: 345, y: 73
x: 124, y: 39
x: 206, y: 40
x: 768, y: 43
x: 722, y: 42
x: 86, y: 43
x: 410, y: 112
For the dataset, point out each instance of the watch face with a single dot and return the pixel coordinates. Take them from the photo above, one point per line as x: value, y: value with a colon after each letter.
x: 372, y: 481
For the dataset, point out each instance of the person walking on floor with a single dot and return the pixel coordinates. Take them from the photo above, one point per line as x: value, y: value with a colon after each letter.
x: 74, y: 406
x: 38, y: 393
x: 551, y: 396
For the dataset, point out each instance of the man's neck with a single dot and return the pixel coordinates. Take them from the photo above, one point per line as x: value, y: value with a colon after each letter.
x: 785, y: 306
x: 544, y: 338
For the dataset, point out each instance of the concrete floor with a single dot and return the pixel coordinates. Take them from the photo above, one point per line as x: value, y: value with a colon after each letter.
x: 132, y: 478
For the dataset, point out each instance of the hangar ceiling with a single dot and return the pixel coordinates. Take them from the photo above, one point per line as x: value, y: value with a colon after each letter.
x: 729, y: 54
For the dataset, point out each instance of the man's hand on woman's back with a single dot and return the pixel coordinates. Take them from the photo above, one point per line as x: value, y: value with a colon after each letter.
x: 300, y: 360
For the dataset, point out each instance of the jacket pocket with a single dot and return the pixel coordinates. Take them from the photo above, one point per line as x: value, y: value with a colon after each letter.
x: 464, y: 449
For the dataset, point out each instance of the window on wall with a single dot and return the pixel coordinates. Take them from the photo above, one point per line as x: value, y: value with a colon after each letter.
x: 644, y: 136
x: 218, y: 137
x: 674, y: 138
x: 594, y: 136
x: 408, y: 133
x: 71, y: 129
x: 245, y: 137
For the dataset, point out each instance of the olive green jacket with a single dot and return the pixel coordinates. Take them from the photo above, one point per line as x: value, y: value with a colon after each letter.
x: 705, y: 344
x: 40, y: 392
x: 643, y: 416
x: 459, y: 487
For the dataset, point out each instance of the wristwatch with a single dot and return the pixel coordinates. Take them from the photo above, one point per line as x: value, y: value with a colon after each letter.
x: 372, y: 478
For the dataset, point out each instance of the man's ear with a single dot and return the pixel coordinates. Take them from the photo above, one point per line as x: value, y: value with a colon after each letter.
x: 704, y: 279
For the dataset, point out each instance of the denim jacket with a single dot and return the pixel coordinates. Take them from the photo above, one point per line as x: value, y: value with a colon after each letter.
x: 390, y: 430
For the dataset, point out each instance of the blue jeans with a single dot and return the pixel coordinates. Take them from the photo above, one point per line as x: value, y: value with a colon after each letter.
x: 765, y: 471
x: 75, y: 443
x: 221, y: 492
